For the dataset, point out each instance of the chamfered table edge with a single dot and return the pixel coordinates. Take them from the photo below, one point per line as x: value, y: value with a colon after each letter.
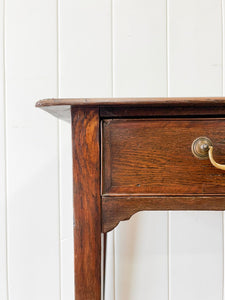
x: 132, y: 101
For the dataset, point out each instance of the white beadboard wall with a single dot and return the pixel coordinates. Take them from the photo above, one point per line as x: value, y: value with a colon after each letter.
x: 100, y: 48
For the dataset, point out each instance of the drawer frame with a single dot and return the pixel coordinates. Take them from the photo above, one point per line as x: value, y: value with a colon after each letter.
x: 118, y: 207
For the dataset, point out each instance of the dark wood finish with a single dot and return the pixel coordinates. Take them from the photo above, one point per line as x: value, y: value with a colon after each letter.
x: 61, y: 107
x: 87, y: 203
x: 116, y: 209
x: 161, y: 111
x: 153, y: 157
x: 147, y: 164
x: 63, y: 112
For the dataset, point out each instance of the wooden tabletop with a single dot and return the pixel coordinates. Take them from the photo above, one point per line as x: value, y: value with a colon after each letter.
x: 130, y: 101
x: 61, y: 107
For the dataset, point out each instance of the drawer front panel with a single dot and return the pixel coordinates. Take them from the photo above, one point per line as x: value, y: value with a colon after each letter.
x: 154, y: 157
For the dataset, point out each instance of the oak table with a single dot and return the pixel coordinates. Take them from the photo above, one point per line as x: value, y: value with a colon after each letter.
x: 133, y: 154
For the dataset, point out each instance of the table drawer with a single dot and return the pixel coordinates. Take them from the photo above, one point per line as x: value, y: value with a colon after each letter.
x: 154, y: 157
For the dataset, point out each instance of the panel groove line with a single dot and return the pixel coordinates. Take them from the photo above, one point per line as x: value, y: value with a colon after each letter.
x: 168, y: 94
x: 58, y: 146
x: 223, y: 92
x: 195, y: 60
x: 110, y: 281
x: 65, y: 181
x: 4, y: 292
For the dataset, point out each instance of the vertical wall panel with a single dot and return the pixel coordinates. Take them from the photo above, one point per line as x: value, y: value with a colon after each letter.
x: 85, y: 48
x: 84, y: 71
x: 32, y: 157
x: 139, y: 30
x: 195, y: 47
x: 67, y: 270
x: 196, y: 255
x: 3, y: 216
x: 140, y: 69
x: 66, y: 213
x: 66, y: 188
x: 141, y: 257
x: 195, y: 69
x: 110, y: 267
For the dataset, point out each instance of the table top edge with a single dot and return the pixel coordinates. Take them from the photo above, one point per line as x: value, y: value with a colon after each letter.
x: 131, y: 101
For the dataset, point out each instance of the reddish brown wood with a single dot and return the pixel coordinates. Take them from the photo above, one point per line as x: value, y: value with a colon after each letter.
x: 63, y: 112
x: 116, y: 209
x: 146, y: 165
x: 154, y: 157
x: 161, y: 111
x: 203, y: 105
x: 87, y: 203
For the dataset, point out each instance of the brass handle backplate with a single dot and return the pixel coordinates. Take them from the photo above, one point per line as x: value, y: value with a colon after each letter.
x: 202, y: 148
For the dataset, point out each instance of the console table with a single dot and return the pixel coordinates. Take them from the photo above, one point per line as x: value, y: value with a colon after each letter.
x: 134, y: 154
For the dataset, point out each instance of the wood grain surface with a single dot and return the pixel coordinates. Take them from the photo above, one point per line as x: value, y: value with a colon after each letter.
x: 162, y: 111
x: 133, y: 101
x: 116, y: 209
x: 132, y: 107
x: 87, y: 203
x: 154, y: 157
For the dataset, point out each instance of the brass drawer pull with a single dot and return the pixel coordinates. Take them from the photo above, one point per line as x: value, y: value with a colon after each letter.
x: 202, y: 148
x: 213, y: 162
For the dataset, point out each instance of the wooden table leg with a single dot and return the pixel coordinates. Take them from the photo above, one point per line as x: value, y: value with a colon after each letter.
x: 87, y: 203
